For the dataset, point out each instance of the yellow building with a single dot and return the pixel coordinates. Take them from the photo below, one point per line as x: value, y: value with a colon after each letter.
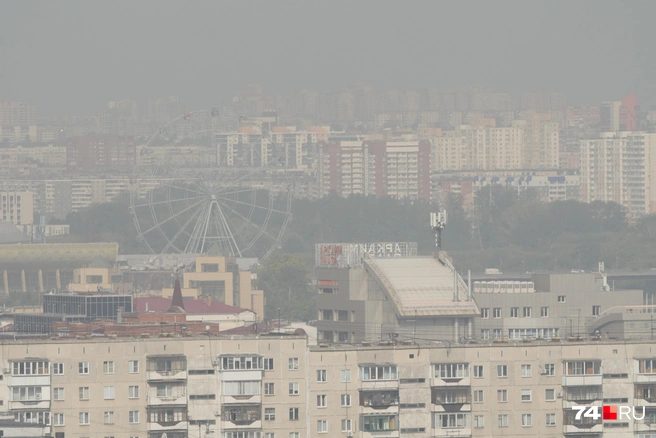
x: 220, y: 277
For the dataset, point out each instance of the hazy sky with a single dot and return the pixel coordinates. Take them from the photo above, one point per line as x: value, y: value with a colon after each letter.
x: 73, y: 56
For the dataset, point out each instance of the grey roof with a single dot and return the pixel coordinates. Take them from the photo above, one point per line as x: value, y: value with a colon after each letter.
x: 10, y: 234
x: 421, y: 286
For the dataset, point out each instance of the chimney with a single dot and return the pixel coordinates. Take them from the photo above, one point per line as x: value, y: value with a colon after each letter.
x: 146, y: 306
x: 119, y: 315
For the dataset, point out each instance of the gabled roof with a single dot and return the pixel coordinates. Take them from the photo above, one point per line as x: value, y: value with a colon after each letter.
x: 191, y: 307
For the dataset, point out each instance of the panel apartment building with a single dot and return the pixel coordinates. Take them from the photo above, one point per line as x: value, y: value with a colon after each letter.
x: 276, y: 386
x: 399, y: 169
x: 620, y: 167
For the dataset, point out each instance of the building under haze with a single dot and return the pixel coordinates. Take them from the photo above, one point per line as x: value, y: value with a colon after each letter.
x: 371, y: 291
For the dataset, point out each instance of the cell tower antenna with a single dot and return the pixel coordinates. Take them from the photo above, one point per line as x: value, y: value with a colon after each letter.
x: 438, y: 223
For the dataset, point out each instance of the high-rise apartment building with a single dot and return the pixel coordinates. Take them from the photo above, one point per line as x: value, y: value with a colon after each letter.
x: 14, y: 113
x: 393, y: 168
x: 17, y: 207
x: 620, y: 167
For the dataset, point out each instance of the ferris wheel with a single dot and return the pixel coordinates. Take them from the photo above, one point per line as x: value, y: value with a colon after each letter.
x: 197, y: 186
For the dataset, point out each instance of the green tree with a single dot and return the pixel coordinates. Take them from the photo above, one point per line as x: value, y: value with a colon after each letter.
x: 285, y: 280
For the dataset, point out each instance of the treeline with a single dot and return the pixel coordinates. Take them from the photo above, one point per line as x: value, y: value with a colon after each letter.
x: 503, y: 230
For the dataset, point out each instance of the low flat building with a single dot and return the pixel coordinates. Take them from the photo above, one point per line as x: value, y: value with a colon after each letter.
x: 375, y: 291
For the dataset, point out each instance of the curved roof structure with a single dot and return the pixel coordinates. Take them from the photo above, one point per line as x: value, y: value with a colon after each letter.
x: 56, y: 255
x: 422, y: 286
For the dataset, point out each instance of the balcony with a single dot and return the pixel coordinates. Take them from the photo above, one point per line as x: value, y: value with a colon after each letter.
x: 166, y: 419
x: 166, y: 368
x: 28, y: 381
x: 379, y: 425
x: 580, y: 427
x: 242, y: 417
x: 645, y: 378
x: 451, y: 400
x: 167, y: 395
x: 645, y: 395
x: 373, y: 402
x: 583, y: 380
x: 452, y: 424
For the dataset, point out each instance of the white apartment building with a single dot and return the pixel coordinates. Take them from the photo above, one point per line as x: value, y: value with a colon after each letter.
x: 618, y: 167
x: 17, y: 207
x: 276, y: 386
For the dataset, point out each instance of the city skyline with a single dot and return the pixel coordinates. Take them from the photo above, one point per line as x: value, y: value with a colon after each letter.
x: 145, y: 50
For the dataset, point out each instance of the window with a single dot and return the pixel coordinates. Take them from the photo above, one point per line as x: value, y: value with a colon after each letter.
x: 503, y: 420
x: 294, y: 435
x: 526, y: 312
x: 346, y: 400
x: 269, y: 435
x: 502, y: 371
x: 526, y: 395
x: 647, y: 366
x: 242, y: 363
x: 58, y: 369
x: 582, y: 368
x: 269, y: 414
x: 496, y: 333
x: 451, y: 370
x: 84, y: 392
x: 527, y: 420
x: 108, y: 367
x: 346, y: 425
x: 133, y: 417
x: 451, y: 421
x: 485, y: 313
x: 551, y: 419
x: 550, y: 369
x: 268, y: 364
x: 514, y: 312
x: 109, y: 417
x: 544, y: 312
x: 526, y: 370
x: 479, y: 421
x: 30, y: 368
x: 133, y: 391
x: 478, y: 396
x: 502, y: 395
x: 83, y: 368
x: 496, y: 312
x: 322, y: 426
x: 321, y: 401
x: 596, y: 310
x: 369, y: 373
x: 485, y: 333
x: 293, y: 413
x: 164, y: 390
x: 84, y: 419
x: 293, y: 363
x: 26, y: 393
x: 59, y: 420
x: 269, y: 389
x: 478, y: 371
x: 247, y: 387
x: 109, y: 393
x: 345, y: 376
x: 58, y: 394
x: 293, y: 388
x: 550, y: 394
x: 562, y: 299
x: 321, y: 376
x: 133, y: 366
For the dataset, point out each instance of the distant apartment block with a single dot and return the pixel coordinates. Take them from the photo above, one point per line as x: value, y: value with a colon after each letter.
x: 619, y: 115
x: 620, y: 167
x: 547, y: 185
x: 400, y: 169
x: 102, y: 152
x: 17, y: 207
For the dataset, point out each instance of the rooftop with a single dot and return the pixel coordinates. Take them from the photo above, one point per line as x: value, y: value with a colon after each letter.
x: 191, y: 307
x: 422, y: 286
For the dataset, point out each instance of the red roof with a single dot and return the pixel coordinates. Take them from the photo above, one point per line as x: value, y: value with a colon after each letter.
x: 191, y: 307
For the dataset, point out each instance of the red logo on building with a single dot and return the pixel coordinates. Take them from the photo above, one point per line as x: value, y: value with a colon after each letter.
x: 610, y: 413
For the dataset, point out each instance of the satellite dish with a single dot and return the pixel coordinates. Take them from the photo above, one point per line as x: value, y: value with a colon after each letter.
x: 164, y: 435
x: 207, y: 329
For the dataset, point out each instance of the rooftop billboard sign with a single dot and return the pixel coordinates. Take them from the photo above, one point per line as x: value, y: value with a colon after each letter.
x: 345, y: 255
